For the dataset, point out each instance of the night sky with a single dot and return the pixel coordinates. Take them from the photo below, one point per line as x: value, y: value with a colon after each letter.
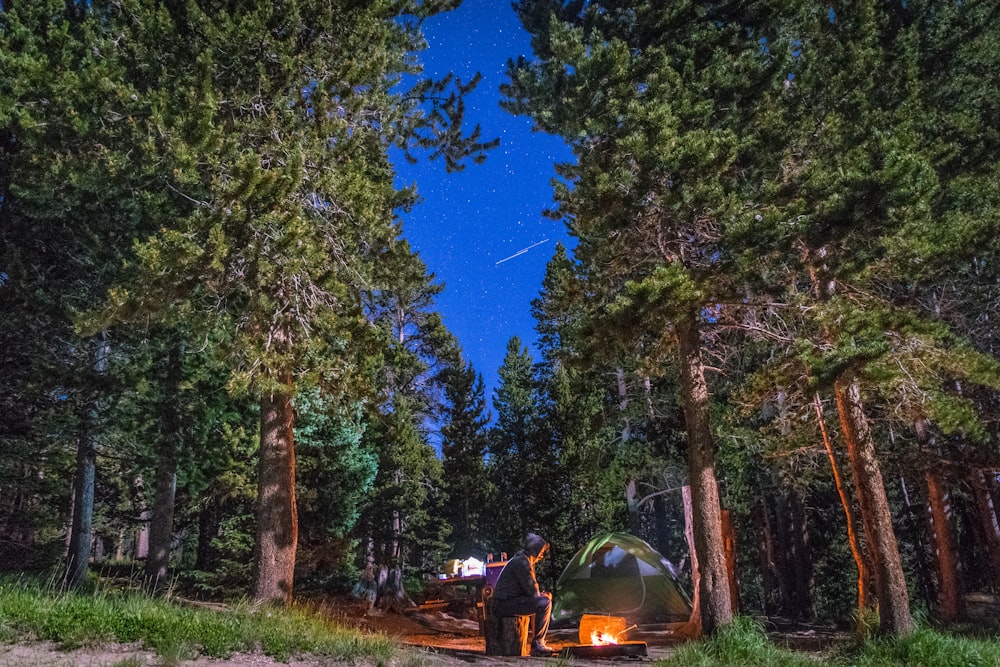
x: 469, y: 221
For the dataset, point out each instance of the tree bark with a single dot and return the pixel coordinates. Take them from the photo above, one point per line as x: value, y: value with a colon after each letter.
x: 695, y: 620
x: 277, y: 518
x: 729, y: 539
x: 632, y: 504
x: 890, y: 584
x: 783, y: 556
x: 852, y: 536
x: 803, y: 584
x: 208, y: 530
x: 82, y: 531
x: 766, y: 553
x: 989, y: 526
x: 161, y: 527
x: 939, y: 517
x: 716, y: 607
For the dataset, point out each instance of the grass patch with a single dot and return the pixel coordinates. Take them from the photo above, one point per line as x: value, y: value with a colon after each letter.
x: 177, y: 633
x: 744, y: 643
x: 925, y: 648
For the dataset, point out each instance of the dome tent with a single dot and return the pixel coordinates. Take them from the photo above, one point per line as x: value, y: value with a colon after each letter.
x: 620, y: 575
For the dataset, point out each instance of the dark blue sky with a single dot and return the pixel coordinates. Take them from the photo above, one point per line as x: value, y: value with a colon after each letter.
x: 469, y: 221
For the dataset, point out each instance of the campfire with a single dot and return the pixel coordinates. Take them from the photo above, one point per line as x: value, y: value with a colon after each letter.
x: 598, y: 638
x: 603, y: 637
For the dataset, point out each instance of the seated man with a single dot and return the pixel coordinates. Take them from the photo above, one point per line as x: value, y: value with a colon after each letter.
x: 517, y: 593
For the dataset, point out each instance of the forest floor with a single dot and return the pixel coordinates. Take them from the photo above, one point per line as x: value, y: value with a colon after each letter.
x: 428, y: 639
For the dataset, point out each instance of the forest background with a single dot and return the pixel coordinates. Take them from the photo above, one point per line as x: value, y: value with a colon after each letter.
x: 221, y: 356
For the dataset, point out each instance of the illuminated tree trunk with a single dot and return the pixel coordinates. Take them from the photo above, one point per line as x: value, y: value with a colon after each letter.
x: 716, y: 606
x: 852, y: 535
x: 887, y: 567
x: 277, y: 518
x: 939, y: 517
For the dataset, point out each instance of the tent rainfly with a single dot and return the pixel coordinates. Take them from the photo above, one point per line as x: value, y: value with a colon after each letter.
x: 620, y: 575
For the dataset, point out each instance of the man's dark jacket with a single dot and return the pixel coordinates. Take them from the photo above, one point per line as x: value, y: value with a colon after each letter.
x: 517, y: 583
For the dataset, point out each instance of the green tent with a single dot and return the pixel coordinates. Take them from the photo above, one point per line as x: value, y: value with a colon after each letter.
x: 620, y: 575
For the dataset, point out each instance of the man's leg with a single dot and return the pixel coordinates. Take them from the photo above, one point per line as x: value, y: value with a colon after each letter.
x: 543, y: 614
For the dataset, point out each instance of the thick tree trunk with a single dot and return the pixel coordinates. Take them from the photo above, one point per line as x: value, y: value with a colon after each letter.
x: 939, y: 516
x: 887, y: 567
x: 988, y: 523
x: 277, y: 518
x: 392, y: 596
x: 82, y: 531
x: 161, y: 527
x: 716, y: 607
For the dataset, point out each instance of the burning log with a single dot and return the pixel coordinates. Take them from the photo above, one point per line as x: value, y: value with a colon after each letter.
x: 621, y: 650
x: 603, y: 637
x: 598, y: 629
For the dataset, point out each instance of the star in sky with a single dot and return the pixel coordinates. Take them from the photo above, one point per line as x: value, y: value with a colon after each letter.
x: 473, y: 227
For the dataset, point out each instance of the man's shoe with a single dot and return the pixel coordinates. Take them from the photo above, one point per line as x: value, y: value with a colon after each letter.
x: 540, y: 650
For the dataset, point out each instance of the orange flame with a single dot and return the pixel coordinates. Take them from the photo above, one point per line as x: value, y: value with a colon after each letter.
x: 598, y: 638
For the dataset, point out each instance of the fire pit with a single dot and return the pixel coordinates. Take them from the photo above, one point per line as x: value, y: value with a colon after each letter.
x: 605, y: 635
x: 589, y: 651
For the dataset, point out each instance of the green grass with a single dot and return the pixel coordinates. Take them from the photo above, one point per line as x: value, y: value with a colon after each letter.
x: 742, y: 644
x: 175, y: 633
x: 745, y: 643
x: 926, y: 648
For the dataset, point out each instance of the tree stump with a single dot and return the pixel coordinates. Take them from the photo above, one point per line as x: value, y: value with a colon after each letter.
x: 509, y: 635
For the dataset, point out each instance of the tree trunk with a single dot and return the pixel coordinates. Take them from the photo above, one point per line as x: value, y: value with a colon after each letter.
x: 208, y: 530
x: 161, y: 527
x: 950, y: 599
x: 632, y: 504
x: 782, y: 555
x: 716, y: 607
x: 82, y: 531
x: 392, y: 596
x: 988, y: 524
x: 887, y: 566
x: 852, y: 536
x: 729, y: 539
x: 695, y: 620
x: 766, y: 552
x: 661, y: 524
x: 803, y: 583
x: 277, y: 518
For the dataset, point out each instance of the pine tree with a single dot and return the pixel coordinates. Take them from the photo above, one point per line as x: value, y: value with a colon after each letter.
x: 521, y: 461
x: 464, y: 444
x: 259, y: 131
x: 652, y: 100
